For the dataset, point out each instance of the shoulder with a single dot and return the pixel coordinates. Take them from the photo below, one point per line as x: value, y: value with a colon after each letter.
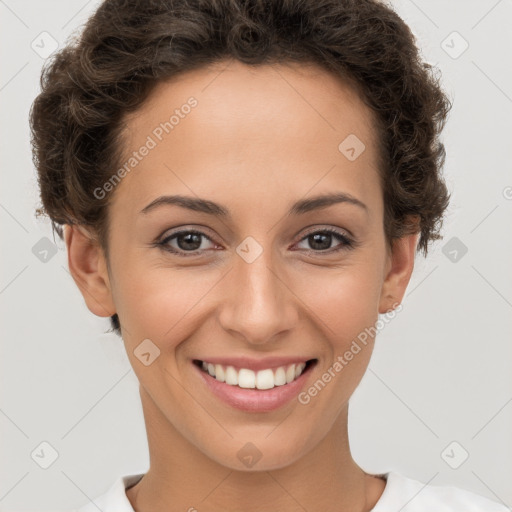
x: 114, y: 499
x: 405, y: 494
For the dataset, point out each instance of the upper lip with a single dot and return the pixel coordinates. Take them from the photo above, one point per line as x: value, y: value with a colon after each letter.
x: 256, y: 364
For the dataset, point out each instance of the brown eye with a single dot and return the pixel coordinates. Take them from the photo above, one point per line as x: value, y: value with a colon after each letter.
x: 185, y: 242
x: 321, y: 241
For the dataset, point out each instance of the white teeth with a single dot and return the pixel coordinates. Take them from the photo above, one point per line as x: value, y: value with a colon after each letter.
x: 265, y: 379
x: 262, y: 379
x: 299, y: 368
x: 290, y: 373
x: 231, y: 376
x: 280, y: 377
x: 246, y: 378
x: 219, y: 373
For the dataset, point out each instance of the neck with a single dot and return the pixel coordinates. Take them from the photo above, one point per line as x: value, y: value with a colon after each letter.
x: 182, y: 478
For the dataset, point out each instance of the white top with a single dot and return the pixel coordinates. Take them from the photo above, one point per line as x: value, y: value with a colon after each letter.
x: 401, y: 494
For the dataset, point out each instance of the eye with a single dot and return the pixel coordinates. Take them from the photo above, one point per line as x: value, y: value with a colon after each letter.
x: 321, y: 241
x: 187, y: 241
x: 192, y: 242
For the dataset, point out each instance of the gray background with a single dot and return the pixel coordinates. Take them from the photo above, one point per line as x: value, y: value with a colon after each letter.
x: 441, y: 369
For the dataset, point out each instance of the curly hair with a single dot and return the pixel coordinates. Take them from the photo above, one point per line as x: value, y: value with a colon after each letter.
x: 128, y: 46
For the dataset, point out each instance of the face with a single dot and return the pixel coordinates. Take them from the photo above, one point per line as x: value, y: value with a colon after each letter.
x: 257, y: 276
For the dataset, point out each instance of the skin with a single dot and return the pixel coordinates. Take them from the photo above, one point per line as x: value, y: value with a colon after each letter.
x: 259, y: 140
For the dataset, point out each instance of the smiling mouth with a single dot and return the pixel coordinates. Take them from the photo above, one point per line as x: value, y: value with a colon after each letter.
x: 249, y: 379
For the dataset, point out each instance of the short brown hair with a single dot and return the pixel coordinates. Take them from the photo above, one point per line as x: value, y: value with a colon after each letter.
x: 127, y: 47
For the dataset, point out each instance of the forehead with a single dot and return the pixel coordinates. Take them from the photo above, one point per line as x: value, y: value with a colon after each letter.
x: 251, y: 129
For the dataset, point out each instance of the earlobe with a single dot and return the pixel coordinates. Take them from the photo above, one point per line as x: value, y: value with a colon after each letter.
x: 88, y: 268
x: 398, y: 272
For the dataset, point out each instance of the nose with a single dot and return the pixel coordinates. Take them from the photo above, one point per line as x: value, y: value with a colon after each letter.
x: 259, y: 303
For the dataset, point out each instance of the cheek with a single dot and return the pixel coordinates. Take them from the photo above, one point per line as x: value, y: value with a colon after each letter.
x: 345, y: 302
x: 167, y: 307
x: 161, y: 303
x: 346, y: 309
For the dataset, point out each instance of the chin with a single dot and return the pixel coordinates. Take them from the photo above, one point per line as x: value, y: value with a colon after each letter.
x: 265, y: 450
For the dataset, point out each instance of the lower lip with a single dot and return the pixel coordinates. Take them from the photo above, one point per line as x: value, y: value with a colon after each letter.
x: 255, y: 400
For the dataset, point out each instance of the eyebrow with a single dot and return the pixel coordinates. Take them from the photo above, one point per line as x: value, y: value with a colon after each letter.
x: 300, y: 207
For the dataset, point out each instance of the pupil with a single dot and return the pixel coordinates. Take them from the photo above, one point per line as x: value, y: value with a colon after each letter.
x: 317, y: 239
x: 192, y: 241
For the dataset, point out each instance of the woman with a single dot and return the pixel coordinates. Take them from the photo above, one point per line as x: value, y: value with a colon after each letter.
x: 243, y: 187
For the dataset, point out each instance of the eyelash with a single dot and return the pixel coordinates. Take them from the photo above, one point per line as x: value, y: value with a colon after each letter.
x: 346, y: 245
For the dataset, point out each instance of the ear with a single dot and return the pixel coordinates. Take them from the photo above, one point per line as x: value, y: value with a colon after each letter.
x: 399, y: 267
x: 88, y: 268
